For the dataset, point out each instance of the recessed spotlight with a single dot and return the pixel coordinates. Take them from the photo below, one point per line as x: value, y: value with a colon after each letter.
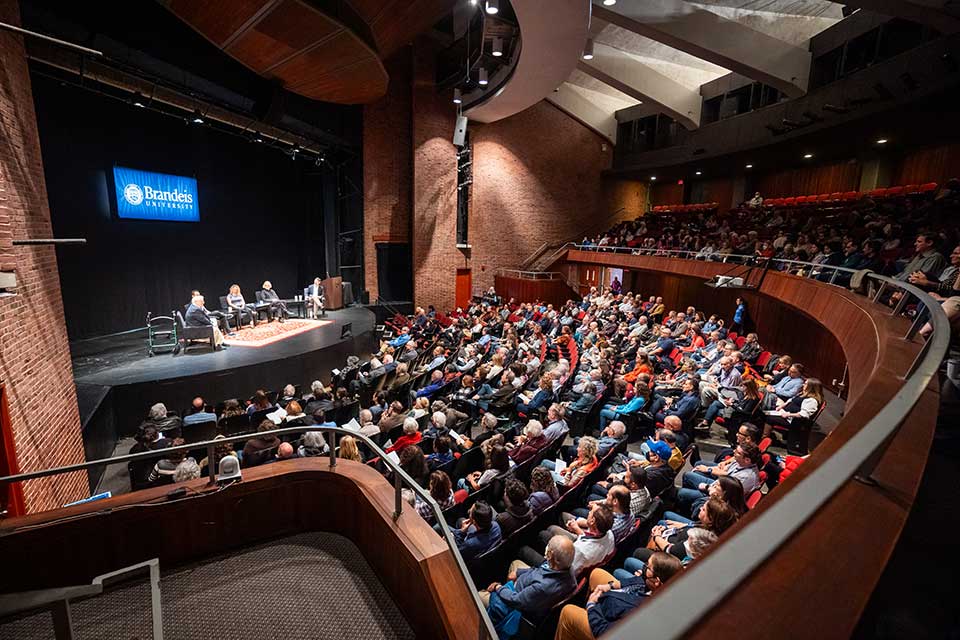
x: 497, y: 49
x: 197, y: 117
x: 807, y: 156
x: 882, y: 141
x: 749, y: 166
x: 482, y: 80
x: 588, y: 50
x: 609, y: 3
x: 653, y: 177
x: 697, y: 173
x: 137, y: 100
x: 457, y: 99
x: 256, y: 137
x: 493, y: 6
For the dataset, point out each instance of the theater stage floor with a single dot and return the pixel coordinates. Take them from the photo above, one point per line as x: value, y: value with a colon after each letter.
x: 123, y: 359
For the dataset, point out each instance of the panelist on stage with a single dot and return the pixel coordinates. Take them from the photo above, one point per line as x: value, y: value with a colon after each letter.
x: 277, y: 306
x: 198, y: 316
x: 215, y: 317
x: 315, y: 299
x: 240, y: 306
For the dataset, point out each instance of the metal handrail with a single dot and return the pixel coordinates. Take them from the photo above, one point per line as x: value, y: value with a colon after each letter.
x: 709, y: 580
x: 531, y: 275
x: 400, y: 478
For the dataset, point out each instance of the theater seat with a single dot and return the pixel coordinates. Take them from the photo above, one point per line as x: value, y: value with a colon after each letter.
x: 754, y: 498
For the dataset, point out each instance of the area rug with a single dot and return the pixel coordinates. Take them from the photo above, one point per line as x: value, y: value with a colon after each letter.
x: 269, y: 332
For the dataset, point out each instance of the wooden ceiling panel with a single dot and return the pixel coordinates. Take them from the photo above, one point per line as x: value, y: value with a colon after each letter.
x: 288, y: 29
x: 321, y: 71
x: 359, y: 83
x: 217, y: 20
x: 400, y: 21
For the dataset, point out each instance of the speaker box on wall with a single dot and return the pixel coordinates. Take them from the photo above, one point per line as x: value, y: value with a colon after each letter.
x: 460, y: 131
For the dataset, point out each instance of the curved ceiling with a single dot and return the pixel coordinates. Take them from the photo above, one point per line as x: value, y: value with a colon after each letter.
x: 325, y: 50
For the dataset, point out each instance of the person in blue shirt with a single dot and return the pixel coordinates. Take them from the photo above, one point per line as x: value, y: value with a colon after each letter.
x: 665, y: 346
x: 531, y: 591
x: 631, y: 406
x: 542, y: 397
x: 401, y: 339
x: 741, y: 316
x: 198, y: 413
x: 586, y: 399
x: 478, y: 533
x: 686, y: 406
x: 436, y: 381
x: 611, y: 599
x: 787, y: 388
x: 441, y: 453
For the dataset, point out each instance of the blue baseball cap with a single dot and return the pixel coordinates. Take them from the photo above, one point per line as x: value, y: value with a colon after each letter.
x: 662, y: 449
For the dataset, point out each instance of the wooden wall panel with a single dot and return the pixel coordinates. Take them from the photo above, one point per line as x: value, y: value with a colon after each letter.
x: 666, y: 193
x: 805, y: 181
x: 555, y: 292
x: 931, y: 164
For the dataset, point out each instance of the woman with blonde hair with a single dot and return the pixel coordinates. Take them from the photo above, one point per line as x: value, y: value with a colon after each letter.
x: 797, y: 415
x: 349, y: 450
x: 239, y: 306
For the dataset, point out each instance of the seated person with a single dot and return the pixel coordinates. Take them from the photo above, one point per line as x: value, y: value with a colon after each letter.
x: 497, y: 465
x: 591, y: 547
x: 241, y: 307
x: 441, y: 453
x: 543, y: 395
x: 796, y: 415
x: 715, y: 516
x: 578, y: 469
x: 531, y: 591
x: 414, y: 464
x: 639, y: 400
x: 198, y: 413
x: 743, y: 466
x: 198, y: 316
x: 610, y: 438
x: 543, y: 490
x: 276, y: 308
x: 727, y: 489
x: 260, y: 402
x: 349, y: 450
x: 685, y: 407
x: 734, y: 411
x: 478, y: 533
x: 786, y: 388
x: 611, y: 599
x: 312, y: 445
x: 441, y: 490
x: 315, y: 299
x: 488, y: 429
x: 529, y: 444
x: 428, y: 391
x: 165, y: 468
x: 518, y: 511
x: 411, y: 435
x: 262, y: 447
x: 584, y: 401
x: 667, y: 436
x: 438, y: 424
x: 295, y: 416
x: 635, y: 480
x: 556, y: 425
x: 367, y: 426
x: 618, y: 501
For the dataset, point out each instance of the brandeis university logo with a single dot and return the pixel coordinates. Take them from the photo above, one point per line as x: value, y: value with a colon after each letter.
x: 176, y: 199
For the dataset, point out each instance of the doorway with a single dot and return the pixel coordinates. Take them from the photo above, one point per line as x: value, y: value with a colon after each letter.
x: 464, y: 288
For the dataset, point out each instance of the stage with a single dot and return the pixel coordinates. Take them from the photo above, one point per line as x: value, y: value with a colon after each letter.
x: 117, y: 381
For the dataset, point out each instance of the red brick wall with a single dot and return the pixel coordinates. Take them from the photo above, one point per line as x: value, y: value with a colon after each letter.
x: 537, y: 178
x: 387, y: 166
x: 34, y: 355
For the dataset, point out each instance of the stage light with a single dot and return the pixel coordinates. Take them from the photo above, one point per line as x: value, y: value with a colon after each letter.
x: 807, y: 156
x: 473, y: 3
x: 882, y: 141
x: 457, y: 99
x: 493, y: 6
x: 197, y: 117
x: 137, y: 100
x: 653, y: 177
x: 483, y: 80
x: 609, y: 3
x: 497, y: 49
x: 256, y: 137
x: 588, y: 50
x: 749, y: 166
x: 697, y: 173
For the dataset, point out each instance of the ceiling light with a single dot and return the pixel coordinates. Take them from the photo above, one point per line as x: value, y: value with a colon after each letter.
x: 493, y: 6
x: 882, y: 141
x: 137, y: 100
x: 749, y: 166
x: 473, y: 3
x: 497, y: 49
x: 483, y: 80
x: 256, y: 137
x: 588, y: 50
x: 457, y: 99
x: 653, y: 177
x: 807, y: 156
x: 609, y: 3
x: 697, y: 173
x: 197, y: 117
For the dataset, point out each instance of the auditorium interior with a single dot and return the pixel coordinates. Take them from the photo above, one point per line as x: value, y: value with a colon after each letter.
x: 477, y: 319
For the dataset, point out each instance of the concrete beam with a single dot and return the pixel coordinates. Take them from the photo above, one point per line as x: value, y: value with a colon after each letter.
x: 724, y: 42
x: 615, y: 68
x: 585, y: 112
x: 928, y: 13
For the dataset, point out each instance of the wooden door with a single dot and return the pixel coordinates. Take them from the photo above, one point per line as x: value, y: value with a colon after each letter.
x: 464, y: 287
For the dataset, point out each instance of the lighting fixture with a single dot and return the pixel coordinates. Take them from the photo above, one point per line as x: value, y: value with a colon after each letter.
x: 497, y: 49
x: 653, y: 177
x: 588, y: 50
x: 493, y: 6
x: 749, y: 166
x: 457, y: 99
x: 137, y: 100
x: 197, y: 117
x: 256, y: 137
x: 697, y: 173
x: 807, y: 156
x: 473, y: 3
x: 483, y: 80
x: 882, y: 141
x: 609, y: 3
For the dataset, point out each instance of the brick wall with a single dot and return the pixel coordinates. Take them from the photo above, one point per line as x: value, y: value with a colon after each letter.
x: 537, y: 178
x: 387, y: 166
x: 34, y: 354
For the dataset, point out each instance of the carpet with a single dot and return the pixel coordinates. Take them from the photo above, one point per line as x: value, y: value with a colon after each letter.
x: 269, y: 332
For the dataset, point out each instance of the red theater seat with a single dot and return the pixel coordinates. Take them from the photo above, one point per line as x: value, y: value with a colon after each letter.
x: 928, y: 187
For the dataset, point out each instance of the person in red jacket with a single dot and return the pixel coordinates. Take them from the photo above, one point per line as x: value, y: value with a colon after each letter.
x: 411, y: 435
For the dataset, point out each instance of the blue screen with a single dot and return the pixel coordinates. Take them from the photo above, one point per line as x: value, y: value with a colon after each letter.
x: 145, y: 195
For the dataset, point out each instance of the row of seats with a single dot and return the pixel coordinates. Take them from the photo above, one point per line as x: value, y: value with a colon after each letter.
x: 685, y: 208
x: 852, y: 196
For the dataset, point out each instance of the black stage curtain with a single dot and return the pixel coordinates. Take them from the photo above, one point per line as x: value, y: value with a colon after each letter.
x: 394, y: 271
x: 261, y: 214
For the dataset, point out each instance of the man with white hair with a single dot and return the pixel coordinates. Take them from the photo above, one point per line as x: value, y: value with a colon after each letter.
x: 367, y: 427
x: 529, y: 444
x: 168, y: 425
x: 197, y: 316
x: 438, y: 425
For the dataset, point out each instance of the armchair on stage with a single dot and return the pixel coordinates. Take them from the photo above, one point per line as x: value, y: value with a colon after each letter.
x: 190, y: 334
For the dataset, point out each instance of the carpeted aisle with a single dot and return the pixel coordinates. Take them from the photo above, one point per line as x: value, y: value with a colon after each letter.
x: 312, y: 585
